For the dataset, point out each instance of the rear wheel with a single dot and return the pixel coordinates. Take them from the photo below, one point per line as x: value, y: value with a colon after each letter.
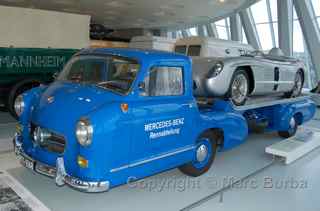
x: 293, y: 127
x: 298, y: 85
x: 204, y: 156
x: 239, y: 87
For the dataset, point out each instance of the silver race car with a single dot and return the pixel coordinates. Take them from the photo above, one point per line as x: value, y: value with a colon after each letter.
x: 251, y: 74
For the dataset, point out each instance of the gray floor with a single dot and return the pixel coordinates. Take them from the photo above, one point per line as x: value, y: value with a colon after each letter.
x: 7, y: 129
x: 173, y: 191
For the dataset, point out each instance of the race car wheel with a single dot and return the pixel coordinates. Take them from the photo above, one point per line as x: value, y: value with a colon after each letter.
x: 298, y: 85
x: 204, y: 156
x: 293, y: 127
x: 239, y: 87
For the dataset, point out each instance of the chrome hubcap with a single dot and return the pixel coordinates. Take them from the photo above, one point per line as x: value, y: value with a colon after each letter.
x: 297, y: 85
x: 239, y: 88
x: 202, y: 153
x: 292, y: 123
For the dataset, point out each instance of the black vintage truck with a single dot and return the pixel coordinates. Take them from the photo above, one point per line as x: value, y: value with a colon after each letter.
x: 25, y: 68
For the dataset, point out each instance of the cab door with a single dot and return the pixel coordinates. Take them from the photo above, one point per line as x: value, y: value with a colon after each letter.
x: 163, y: 114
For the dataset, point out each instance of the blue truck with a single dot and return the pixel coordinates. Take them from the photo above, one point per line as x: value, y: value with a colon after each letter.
x: 117, y: 114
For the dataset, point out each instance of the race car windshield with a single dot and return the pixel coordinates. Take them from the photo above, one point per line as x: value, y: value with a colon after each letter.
x: 110, y: 72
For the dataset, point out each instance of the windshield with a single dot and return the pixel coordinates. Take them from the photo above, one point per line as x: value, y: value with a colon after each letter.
x: 110, y: 72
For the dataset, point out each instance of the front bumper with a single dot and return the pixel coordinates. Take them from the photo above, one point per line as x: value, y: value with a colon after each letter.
x: 58, y: 172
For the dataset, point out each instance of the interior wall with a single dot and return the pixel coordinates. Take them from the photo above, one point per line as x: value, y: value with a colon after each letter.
x: 21, y: 27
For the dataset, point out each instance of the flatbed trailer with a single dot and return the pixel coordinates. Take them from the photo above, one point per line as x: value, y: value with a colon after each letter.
x: 266, y: 114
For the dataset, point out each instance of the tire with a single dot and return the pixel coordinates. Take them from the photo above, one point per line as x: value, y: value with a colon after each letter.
x: 239, y: 76
x: 201, y: 165
x: 293, y: 127
x: 298, y: 85
x: 18, y: 89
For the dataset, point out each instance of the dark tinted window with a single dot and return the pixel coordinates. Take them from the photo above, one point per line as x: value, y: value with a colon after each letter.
x: 194, y: 50
x: 181, y: 49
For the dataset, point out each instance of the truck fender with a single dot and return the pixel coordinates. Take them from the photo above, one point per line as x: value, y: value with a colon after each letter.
x: 303, y: 111
x: 230, y: 128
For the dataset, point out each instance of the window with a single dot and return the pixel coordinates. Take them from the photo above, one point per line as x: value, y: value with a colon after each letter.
x: 265, y: 36
x: 194, y: 50
x: 274, y: 9
x: 298, y: 39
x: 193, y: 31
x: 260, y: 12
x: 180, y: 49
x: 164, y: 81
x: 223, y: 29
x: 316, y: 7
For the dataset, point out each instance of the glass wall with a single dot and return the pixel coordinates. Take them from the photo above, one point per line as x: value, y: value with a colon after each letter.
x: 265, y: 15
x: 223, y: 28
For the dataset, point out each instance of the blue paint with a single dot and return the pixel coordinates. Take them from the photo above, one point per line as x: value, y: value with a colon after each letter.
x: 121, y: 148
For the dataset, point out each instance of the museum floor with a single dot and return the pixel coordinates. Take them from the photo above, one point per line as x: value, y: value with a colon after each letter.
x: 267, y: 184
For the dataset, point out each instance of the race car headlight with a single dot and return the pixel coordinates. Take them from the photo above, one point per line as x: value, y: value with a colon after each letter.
x: 216, y: 70
x: 84, y: 131
x: 19, y: 105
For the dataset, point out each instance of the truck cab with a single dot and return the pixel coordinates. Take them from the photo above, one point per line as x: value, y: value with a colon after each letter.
x: 118, y: 115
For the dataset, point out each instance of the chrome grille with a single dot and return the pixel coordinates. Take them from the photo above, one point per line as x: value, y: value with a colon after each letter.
x: 54, y: 143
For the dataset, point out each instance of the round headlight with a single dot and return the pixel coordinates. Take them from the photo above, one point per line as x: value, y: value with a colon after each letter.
x: 19, y: 105
x: 41, y: 135
x: 84, y: 131
x: 216, y: 70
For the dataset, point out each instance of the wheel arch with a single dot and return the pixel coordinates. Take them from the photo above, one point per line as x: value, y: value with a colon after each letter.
x: 249, y: 71
x: 216, y: 134
x: 298, y: 117
x: 303, y: 74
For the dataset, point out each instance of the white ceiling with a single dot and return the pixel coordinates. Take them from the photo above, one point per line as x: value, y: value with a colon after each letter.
x: 119, y: 14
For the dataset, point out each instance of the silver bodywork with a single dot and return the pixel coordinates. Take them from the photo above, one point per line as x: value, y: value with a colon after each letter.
x: 264, y: 69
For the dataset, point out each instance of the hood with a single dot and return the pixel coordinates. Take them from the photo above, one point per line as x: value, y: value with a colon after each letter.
x: 68, y: 102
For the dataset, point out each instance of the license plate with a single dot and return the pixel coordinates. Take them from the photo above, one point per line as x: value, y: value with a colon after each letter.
x: 28, y: 163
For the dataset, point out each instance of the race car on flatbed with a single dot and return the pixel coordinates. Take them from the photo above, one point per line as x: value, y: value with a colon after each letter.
x: 248, y: 75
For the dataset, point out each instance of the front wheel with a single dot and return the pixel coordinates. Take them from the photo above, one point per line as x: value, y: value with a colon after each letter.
x: 293, y: 127
x: 239, y: 87
x: 204, y: 156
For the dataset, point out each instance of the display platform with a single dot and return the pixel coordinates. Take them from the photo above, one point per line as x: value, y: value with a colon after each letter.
x: 167, y: 191
x: 291, y: 149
